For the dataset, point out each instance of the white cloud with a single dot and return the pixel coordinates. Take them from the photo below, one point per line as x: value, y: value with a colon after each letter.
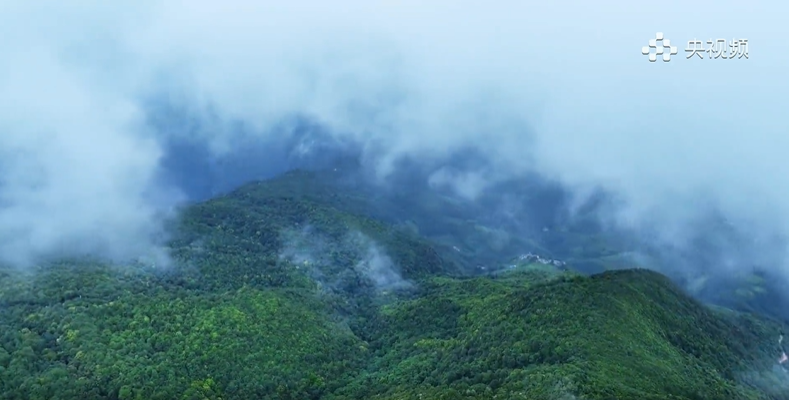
x: 560, y: 87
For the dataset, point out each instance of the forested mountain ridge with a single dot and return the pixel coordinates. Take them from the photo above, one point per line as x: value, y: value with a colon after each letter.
x: 295, y: 288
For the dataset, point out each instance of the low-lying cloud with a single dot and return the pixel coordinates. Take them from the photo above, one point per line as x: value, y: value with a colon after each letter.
x: 555, y: 88
x: 355, y: 260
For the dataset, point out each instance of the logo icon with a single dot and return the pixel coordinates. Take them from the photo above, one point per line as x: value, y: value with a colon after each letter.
x: 662, y: 47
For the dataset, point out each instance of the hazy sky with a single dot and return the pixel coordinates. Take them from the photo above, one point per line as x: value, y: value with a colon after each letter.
x: 558, y: 87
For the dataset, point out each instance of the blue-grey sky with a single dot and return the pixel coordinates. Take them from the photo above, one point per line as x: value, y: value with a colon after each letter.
x: 556, y: 87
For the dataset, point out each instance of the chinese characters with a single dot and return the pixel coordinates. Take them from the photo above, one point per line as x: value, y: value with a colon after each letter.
x: 719, y: 48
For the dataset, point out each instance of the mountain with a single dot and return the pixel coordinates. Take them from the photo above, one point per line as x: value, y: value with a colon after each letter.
x: 312, y: 286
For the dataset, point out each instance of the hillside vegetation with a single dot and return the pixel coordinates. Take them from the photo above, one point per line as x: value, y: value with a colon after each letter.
x: 288, y: 289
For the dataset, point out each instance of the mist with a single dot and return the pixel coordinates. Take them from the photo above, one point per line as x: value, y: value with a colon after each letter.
x: 112, y: 117
x: 327, y: 261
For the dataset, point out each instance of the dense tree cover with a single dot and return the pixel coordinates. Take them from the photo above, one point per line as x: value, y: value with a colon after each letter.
x: 280, y: 291
x: 127, y: 336
x: 618, y: 335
